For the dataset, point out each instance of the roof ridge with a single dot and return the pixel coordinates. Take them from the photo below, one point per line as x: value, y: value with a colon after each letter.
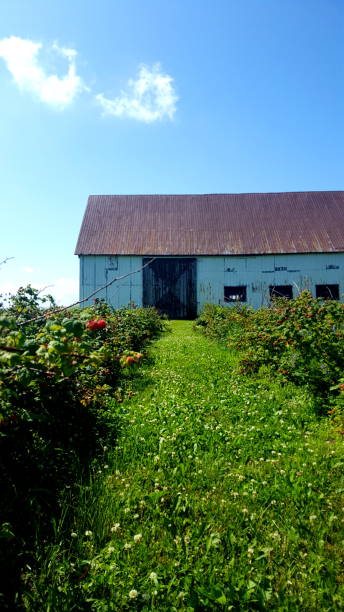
x: 224, y: 193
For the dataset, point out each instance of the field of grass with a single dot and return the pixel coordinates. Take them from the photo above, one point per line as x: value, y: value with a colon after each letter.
x: 225, y: 492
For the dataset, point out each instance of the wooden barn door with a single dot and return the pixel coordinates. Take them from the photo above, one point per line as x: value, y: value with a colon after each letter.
x: 170, y: 285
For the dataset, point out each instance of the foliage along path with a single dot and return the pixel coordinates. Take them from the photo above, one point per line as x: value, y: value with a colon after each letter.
x: 225, y: 493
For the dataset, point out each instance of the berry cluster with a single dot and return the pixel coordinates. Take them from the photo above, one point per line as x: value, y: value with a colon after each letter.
x: 130, y: 358
x: 94, y: 324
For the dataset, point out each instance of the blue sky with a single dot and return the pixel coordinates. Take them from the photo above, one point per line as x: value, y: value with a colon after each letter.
x: 157, y: 96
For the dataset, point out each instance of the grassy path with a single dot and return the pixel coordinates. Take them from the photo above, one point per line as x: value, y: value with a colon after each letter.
x: 224, y: 494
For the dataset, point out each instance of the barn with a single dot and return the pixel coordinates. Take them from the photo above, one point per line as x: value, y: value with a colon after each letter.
x: 179, y: 252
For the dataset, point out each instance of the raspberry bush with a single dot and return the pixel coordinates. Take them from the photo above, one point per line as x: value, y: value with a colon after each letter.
x: 61, y: 381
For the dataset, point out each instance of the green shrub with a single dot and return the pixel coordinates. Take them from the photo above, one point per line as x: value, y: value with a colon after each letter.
x: 300, y: 339
x: 221, y: 322
x: 59, y: 378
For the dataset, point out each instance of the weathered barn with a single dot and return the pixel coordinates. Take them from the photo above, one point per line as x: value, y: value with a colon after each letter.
x: 221, y: 248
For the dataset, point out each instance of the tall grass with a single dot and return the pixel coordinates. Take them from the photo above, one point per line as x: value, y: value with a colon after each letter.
x: 224, y: 493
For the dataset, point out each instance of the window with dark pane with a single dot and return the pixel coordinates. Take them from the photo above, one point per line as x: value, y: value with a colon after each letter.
x: 235, y: 294
x: 327, y: 292
x: 281, y: 291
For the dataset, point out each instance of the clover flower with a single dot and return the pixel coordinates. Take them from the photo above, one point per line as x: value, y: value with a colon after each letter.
x: 137, y: 537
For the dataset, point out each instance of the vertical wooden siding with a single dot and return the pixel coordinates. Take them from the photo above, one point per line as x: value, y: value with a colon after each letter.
x: 169, y: 284
x: 214, y: 273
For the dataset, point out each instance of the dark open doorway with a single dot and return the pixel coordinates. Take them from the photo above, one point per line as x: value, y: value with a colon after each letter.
x: 169, y: 284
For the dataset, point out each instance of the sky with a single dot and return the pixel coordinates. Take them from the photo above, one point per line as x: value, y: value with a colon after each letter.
x: 157, y: 96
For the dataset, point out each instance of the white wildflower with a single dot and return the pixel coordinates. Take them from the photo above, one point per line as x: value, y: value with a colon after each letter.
x: 154, y: 577
x: 137, y: 537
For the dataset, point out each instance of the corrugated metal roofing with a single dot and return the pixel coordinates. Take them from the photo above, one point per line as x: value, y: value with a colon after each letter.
x: 215, y: 224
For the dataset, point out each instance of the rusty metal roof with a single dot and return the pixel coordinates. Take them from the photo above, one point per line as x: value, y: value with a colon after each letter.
x: 213, y: 224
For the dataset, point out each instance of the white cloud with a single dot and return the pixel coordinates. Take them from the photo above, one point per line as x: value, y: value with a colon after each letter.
x: 150, y: 97
x: 64, y: 290
x: 21, y: 57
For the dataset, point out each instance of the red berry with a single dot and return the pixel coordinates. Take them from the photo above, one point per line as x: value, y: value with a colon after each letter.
x: 92, y: 325
x: 101, y: 324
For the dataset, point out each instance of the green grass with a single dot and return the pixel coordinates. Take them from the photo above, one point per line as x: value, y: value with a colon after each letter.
x: 224, y: 493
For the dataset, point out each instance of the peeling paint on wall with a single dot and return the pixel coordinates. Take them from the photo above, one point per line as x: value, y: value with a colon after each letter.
x: 256, y: 273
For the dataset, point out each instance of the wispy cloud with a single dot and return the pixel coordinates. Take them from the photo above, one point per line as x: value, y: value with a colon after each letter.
x: 64, y: 290
x: 149, y: 98
x: 22, y: 60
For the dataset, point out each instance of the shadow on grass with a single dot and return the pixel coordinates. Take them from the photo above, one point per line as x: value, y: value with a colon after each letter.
x: 36, y: 482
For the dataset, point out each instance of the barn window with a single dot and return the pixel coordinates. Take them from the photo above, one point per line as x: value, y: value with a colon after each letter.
x: 278, y: 291
x: 112, y: 262
x: 235, y: 294
x: 327, y: 292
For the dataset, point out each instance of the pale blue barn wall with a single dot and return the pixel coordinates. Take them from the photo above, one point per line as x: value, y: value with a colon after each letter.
x: 98, y: 270
x: 303, y: 271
